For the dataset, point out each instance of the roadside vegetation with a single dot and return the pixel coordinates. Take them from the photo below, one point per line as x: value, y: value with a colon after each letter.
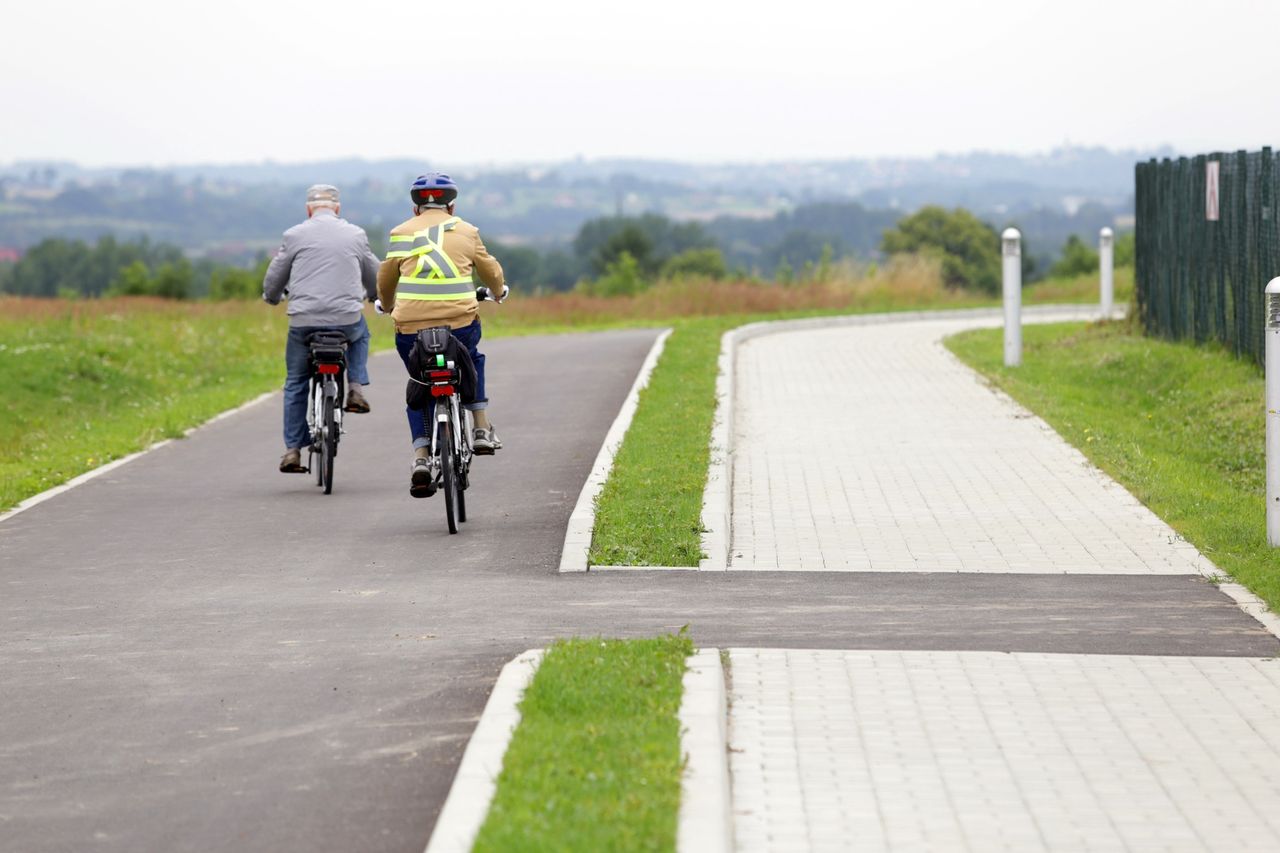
x: 1180, y: 426
x: 595, y: 762
x: 90, y: 380
x: 650, y: 510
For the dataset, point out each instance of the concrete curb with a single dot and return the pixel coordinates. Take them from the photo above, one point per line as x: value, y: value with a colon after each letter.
x: 35, y: 500
x: 467, y: 805
x: 717, y: 497
x: 1251, y: 604
x: 644, y: 568
x: 705, y: 823
x: 577, y: 536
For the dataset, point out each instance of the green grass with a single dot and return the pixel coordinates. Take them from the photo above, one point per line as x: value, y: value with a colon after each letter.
x: 1180, y: 426
x: 649, y: 512
x: 88, y: 382
x: 595, y: 762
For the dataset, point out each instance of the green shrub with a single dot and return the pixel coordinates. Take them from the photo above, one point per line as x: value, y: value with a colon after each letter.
x: 171, y: 280
x: 234, y: 283
x: 967, y: 248
x: 621, y: 278
x: 1125, y: 249
x: 1078, y: 258
x: 696, y: 263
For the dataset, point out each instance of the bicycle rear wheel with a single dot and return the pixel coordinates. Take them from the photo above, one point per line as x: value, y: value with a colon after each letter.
x: 462, y: 500
x: 329, y: 445
x: 315, y: 450
x: 448, y: 471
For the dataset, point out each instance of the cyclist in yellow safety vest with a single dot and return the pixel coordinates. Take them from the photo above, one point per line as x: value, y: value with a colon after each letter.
x: 429, y: 279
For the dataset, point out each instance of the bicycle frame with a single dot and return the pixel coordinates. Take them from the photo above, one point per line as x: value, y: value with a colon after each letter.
x: 460, y: 422
x: 449, y: 465
x: 325, y: 386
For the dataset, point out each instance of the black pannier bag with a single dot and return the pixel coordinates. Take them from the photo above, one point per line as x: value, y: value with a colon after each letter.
x: 328, y: 347
x: 422, y: 360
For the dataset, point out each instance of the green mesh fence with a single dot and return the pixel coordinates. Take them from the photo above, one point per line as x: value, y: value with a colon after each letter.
x: 1199, y: 278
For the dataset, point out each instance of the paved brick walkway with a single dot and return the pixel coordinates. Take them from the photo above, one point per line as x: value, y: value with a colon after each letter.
x: 893, y: 456
x: 981, y: 751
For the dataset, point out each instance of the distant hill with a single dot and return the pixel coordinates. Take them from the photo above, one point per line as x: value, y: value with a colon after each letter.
x: 236, y: 210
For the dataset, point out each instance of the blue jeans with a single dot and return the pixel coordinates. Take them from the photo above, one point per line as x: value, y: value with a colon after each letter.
x: 469, y: 337
x: 297, y: 361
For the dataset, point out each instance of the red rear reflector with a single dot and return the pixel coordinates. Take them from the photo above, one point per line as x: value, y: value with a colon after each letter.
x: 441, y: 390
x: 441, y: 374
x: 327, y: 368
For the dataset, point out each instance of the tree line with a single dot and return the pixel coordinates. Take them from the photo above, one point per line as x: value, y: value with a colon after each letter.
x: 621, y: 255
x: 609, y: 256
x: 109, y: 267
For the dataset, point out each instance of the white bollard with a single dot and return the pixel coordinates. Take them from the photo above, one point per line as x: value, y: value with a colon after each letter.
x: 1106, y: 262
x: 1011, y: 240
x: 1272, y: 369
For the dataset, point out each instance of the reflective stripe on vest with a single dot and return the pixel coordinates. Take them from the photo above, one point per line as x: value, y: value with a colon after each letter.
x: 406, y: 245
x: 435, y: 276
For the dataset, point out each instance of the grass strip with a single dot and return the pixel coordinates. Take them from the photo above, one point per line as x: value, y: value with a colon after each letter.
x: 595, y: 762
x: 650, y: 510
x: 1180, y: 426
x: 90, y: 381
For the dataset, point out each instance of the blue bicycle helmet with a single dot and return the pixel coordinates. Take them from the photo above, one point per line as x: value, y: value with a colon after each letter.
x: 434, y: 188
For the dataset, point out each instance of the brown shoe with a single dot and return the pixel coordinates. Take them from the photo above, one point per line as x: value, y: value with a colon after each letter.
x: 291, y: 462
x: 356, y: 402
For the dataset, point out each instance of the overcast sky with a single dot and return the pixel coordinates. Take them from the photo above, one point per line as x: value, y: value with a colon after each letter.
x: 135, y: 82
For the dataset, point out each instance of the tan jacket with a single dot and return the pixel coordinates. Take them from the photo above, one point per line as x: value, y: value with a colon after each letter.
x: 464, y: 246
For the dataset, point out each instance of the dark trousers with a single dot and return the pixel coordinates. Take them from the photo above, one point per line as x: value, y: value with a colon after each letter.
x: 297, y: 383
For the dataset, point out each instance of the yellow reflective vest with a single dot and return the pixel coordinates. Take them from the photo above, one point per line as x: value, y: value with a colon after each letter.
x: 434, y: 263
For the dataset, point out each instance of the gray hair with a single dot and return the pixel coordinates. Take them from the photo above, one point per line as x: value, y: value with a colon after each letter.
x: 322, y: 195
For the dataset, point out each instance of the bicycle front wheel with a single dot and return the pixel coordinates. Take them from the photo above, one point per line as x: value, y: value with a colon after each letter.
x: 449, y: 478
x: 462, y: 500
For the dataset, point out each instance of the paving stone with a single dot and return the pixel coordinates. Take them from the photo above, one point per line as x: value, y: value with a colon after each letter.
x: 896, y: 457
x: 839, y: 750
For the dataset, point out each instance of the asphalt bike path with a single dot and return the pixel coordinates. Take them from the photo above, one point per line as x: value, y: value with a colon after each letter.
x: 200, y: 653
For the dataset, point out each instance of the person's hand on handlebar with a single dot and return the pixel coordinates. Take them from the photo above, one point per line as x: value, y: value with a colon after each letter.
x: 485, y: 294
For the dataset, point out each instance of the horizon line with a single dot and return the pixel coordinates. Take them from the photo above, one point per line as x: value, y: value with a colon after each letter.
x: 577, y: 159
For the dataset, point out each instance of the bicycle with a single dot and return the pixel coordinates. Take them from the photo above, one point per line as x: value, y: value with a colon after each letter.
x: 328, y: 352
x: 451, y: 453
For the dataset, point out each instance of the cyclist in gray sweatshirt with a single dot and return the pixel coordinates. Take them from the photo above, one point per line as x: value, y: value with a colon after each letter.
x: 327, y: 270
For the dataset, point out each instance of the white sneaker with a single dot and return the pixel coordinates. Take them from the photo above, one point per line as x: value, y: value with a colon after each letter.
x: 483, y: 442
x: 422, y: 481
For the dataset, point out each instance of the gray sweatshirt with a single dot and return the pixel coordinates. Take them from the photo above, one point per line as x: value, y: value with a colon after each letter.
x: 328, y: 268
